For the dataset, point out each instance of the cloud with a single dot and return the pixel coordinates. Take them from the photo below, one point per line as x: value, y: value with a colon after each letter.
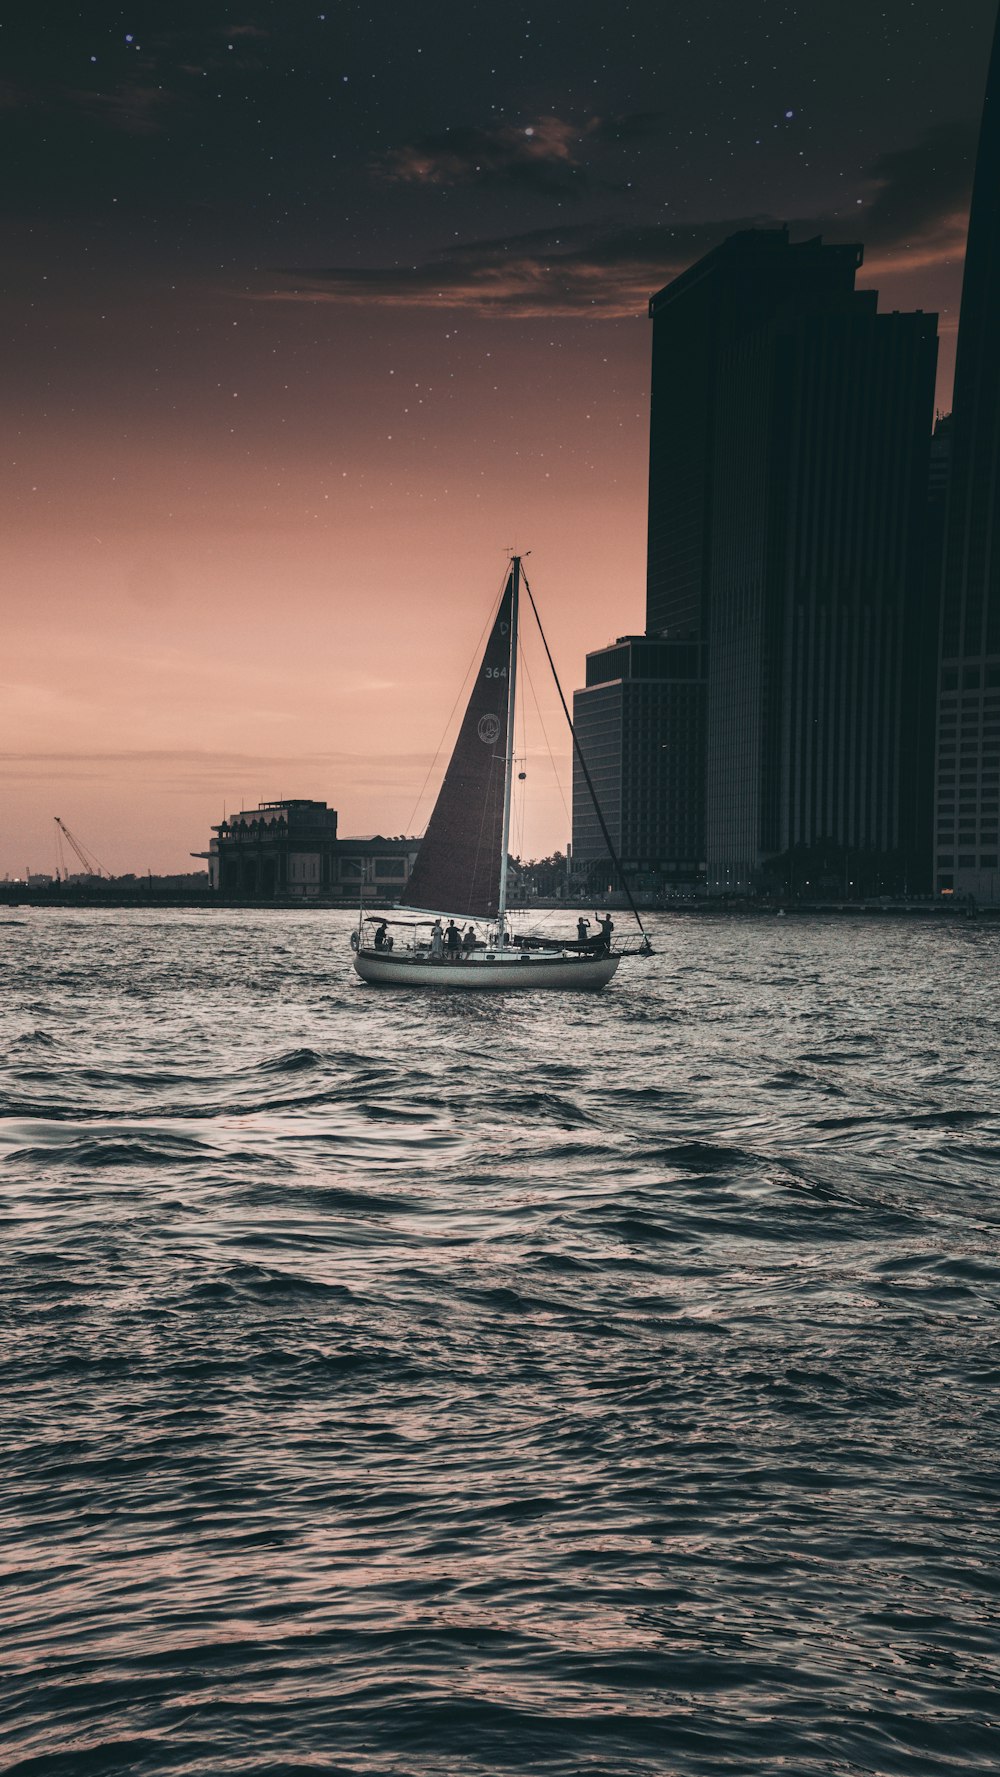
x: 133, y: 106
x: 569, y: 271
x: 548, y: 154
x: 915, y: 217
x: 184, y: 768
x: 148, y: 87
x: 920, y: 210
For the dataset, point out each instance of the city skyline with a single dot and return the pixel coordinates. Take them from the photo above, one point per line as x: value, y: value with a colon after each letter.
x: 782, y: 706
x: 968, y: 725
x: 312, y: 320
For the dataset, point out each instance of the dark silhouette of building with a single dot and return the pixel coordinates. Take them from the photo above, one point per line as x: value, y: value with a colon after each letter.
x: 968, y: 745
x: 788, y: 472
x: 925, y: 739
x: 290, y: 848
x: 640, y: 724
x: 727, y: 296
x: 278, y: 848
x: 789, y: 442
x: 818, y: 640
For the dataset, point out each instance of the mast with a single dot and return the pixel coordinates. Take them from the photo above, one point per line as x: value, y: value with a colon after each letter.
x: 508, y: 778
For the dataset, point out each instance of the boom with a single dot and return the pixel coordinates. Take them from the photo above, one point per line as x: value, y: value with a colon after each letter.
x: 92, y: 865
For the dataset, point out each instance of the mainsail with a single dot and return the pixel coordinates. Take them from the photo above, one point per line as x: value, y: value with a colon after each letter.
x: 458, y: 865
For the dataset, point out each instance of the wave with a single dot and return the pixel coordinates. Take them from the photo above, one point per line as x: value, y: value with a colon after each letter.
x: 293, y: 1061
x: 700, y: 1156
x: 157, y: 1148
x: 396, y: 1388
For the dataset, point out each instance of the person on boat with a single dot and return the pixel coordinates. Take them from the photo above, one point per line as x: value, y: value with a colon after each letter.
x: 380, y: 936
x: 469, y: 939
x: 453, y: 940
x: 606, y: 926
x: 582, y: 928
x: 437, y: 937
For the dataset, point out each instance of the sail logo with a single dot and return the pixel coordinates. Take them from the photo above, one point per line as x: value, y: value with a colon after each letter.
x: 489, y: 730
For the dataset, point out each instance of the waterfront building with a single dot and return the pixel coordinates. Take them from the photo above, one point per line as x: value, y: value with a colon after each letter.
x: 726, y: 296
x: 789, y: 445
x: 640, y: 725
x: 382, y: 866
x: 967, y: 837
x: 790, y: 434
x: 291, y: 848
x: 820, y: 687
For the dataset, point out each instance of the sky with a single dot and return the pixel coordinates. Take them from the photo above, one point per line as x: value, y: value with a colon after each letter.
x: 311, y: 315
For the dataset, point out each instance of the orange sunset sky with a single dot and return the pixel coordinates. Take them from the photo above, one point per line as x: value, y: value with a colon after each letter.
x: 289, y: 370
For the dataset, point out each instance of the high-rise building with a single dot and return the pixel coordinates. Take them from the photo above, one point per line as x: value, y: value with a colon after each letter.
x: 820, y: 699
x: 968, y: 740
x: 642, y: 714
x: 789, y: 444
x: 726, y: 296
x: 640, y: 725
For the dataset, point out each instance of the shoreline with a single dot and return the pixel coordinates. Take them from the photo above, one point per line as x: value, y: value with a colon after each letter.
x: 12, y: 898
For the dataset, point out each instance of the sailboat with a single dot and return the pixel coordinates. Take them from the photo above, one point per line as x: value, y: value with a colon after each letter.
x: 460, y: 873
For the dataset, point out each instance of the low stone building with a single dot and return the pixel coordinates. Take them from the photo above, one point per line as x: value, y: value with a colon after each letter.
x: 291, y: 849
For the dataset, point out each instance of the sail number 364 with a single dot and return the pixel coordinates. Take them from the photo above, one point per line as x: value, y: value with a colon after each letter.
x: 496, y: 672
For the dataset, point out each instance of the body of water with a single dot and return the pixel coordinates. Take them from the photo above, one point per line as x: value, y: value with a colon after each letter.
x: 425, y: 1384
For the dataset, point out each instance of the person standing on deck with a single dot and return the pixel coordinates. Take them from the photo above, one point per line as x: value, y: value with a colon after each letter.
x: 437, y: 935
x: 453, y: 940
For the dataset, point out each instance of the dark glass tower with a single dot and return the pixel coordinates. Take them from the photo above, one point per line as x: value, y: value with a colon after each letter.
x: 790, y: 433
x: 789, y: 440
x: 726, y: 296
x: 819, y: 704
x: 968, y: 751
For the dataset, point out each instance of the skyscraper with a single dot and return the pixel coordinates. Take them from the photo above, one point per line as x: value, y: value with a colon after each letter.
x: 818, y: 640
x: 725, y: 297
x: 789, y: 443
x: 641, y: 718
x: 790, y: 433
x: 968, y: 741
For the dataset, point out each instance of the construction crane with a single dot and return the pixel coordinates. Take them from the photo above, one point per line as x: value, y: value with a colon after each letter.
x: 91, y: 865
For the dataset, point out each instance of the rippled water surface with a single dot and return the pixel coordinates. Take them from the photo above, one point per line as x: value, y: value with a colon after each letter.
x: 405, y: 1383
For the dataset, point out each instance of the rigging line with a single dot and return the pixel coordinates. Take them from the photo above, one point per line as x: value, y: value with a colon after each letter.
x: 489, y: 807
x: 548, y: 745
x: 519, y: 828
x: 490, y: 619
x: 522, y: 712
x: 547, y: 912
x: 583, y: 763
x: 522, y: 798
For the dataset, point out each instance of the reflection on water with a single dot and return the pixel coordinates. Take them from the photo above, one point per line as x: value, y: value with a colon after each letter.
x: 429, y: 1384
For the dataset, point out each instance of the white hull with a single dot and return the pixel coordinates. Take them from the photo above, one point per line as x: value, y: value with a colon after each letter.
x: 511, y: 970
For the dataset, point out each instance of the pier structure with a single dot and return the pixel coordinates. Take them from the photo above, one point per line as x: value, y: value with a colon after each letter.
x: 291, y: 848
